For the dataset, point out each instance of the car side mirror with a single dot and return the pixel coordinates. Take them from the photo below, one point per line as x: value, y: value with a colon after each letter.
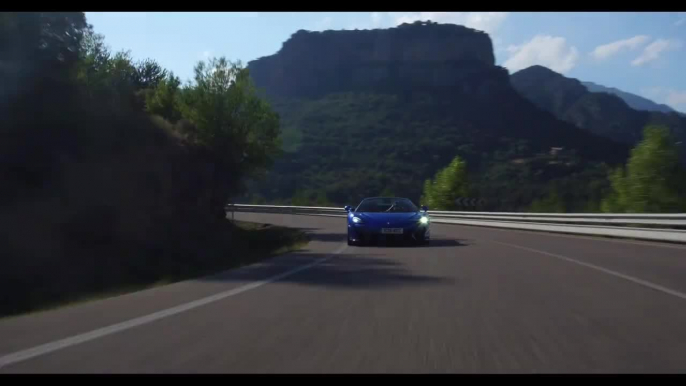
x: 425, y: 208
x: 348, y: 208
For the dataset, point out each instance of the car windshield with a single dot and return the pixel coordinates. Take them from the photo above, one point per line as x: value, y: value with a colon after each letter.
x: 397, y: 205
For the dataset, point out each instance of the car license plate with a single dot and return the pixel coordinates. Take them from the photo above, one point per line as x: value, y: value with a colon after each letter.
x: 392, y: 231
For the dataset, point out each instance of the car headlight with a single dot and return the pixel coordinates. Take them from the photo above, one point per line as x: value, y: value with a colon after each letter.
x: 357, y: 220
x: 424, y: 220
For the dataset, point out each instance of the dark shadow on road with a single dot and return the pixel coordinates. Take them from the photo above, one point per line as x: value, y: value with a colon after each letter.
x: 334, y: 237
x: 340, y: 271
x: 435, y: 243
x: 340, y: 237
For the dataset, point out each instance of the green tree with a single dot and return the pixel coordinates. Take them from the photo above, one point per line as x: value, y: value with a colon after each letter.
x: 449, y: 184
x: 300, y: 198
x: 653, y: 179
x: 427, y: 195
x: 44, y: 42
x: 148, y: 74
x: 94, y: 58
x: 113, y: 79
x: 236, y: 128
x: 387, y: 192
x: 163, y: 100
x: 552, y: 203
x: 321, y: 199
x: 115, y: 75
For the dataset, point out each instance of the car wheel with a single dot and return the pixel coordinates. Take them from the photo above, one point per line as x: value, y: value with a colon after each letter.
x: 421, y: 241
x: 350, y: 242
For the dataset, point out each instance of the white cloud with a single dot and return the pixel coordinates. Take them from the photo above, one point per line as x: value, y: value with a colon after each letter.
x: 484, y: 21
x: 674, y: 98
x: 607, y: 50
x: 206, y: 54
x: 653, y: 51
x: 549, y: 51
x: 653, y: 92
x: 677, y: 99
x: 323, y: 24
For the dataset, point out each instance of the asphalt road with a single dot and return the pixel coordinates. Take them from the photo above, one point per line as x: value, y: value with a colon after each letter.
x: 475, y: 300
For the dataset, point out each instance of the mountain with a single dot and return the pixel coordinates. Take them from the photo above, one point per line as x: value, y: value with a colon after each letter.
x: 634, y: 101
x: 371, y: 111
x: 421, y: 56
x: 601, y: 113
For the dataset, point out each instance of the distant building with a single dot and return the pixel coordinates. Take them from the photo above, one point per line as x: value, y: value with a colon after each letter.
x: 555, y: 151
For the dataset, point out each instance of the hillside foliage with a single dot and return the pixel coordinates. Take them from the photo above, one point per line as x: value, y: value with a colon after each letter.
x: 112, y: 172
x: 449, y: 184
x: 344, y: 147
x: 602, y: 113
x: 653, y: 180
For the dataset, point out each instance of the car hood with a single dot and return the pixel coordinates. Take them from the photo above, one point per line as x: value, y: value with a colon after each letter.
x: 384, y: 218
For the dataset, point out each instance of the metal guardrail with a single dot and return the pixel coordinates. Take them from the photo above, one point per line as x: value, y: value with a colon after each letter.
x: 657, y: 227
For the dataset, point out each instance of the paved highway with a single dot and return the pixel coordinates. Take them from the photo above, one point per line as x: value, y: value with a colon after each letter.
x: 475, y: 300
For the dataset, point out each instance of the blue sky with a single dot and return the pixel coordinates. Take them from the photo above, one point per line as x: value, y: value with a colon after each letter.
x: 643, y: 53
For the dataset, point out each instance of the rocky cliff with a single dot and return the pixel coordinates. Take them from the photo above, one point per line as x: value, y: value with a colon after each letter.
x: 415, y: 57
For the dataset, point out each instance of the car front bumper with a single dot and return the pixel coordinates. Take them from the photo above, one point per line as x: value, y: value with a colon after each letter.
x: 366, y: 233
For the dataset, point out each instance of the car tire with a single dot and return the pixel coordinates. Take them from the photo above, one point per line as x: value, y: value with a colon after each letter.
x: 422, y: 242
x: 350, y: 242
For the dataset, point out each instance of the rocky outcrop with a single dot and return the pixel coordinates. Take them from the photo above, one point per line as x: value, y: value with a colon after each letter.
x: 417, y: 56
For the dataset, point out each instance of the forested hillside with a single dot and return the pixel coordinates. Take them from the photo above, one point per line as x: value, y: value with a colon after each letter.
x: 598, y: 112
x: 392, y: 113
x: 348, y: 146
x: 112, y: 173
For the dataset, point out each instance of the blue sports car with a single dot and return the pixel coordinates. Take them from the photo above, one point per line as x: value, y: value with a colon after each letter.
x: 387, y: 218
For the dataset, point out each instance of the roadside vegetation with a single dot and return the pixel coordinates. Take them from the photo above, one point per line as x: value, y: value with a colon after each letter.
x: 653, y: 180
x: 449, y: 184
x: 114, y: 174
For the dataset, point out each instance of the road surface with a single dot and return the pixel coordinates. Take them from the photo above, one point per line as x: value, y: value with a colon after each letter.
x: 475, y: 300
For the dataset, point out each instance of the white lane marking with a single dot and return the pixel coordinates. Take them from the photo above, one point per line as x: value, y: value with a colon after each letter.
x: 101, y: 332
x: 632, y: 279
